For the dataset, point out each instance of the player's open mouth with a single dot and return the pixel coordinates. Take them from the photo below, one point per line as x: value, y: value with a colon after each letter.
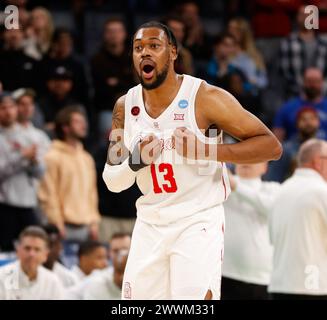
x: 148, y: 70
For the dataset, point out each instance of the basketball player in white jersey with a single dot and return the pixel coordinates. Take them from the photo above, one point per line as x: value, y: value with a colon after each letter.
x: 177, y: 242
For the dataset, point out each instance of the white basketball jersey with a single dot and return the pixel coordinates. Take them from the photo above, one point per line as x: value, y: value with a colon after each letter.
x: 173, y: 187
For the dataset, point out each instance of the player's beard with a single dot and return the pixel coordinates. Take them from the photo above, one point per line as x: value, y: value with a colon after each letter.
x: 160, y: 78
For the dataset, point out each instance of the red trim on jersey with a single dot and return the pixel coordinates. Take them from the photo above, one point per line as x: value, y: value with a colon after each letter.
x: 222, y: 176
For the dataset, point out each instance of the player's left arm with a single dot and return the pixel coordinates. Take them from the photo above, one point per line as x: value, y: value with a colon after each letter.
x: 256, y: 143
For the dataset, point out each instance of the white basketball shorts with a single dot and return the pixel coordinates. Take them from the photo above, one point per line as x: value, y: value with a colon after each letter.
x: 181, y: 260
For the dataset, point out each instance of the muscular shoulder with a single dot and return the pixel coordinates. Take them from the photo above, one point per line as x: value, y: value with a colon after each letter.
x: 118, y: 114
x: 209, y: 93
x: 211, y: 99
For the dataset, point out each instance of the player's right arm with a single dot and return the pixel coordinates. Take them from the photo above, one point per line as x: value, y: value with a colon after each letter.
x: 117, y: 173
x: 117, y: 151
x: 121, y: 167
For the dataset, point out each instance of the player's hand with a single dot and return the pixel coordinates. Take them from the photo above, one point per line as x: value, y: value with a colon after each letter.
x: 150, y: 149
x: 188, y: 145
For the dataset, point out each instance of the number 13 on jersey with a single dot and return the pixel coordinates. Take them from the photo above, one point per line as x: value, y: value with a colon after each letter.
x: 168, y: 175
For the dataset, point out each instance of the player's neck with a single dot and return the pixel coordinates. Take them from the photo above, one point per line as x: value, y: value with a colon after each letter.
x: 165, y: 93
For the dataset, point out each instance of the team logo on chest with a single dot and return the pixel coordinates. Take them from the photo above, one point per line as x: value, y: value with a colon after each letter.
x: 179, y: 116
x: 135, y: 111
x: 156, y: 124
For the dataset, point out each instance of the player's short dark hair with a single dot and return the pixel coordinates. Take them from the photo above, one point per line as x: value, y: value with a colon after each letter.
x: 156, y: 24
x: 89, y: 247
x: 34, y: 232
x: 63, y: 118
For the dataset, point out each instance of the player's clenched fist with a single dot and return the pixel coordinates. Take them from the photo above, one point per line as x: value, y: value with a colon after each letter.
x: 188, y: 145
x: 150, y: 149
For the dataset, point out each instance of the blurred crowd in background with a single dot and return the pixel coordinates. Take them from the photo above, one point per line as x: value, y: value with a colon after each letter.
x: 62, y: 71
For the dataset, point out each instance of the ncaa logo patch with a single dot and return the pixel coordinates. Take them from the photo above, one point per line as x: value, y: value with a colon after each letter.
x: 183, y: 104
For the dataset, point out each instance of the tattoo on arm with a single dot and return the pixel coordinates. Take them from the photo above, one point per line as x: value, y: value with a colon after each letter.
x: 117, y: 151
x: 118, y: 116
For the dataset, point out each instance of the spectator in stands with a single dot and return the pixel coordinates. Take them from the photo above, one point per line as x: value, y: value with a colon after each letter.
x: 27, y: 279
x: 39, y: 33
x: 118, y: 210
x: 196, y: 40
x: 237, y: 84
x: 248, y: 252
x: 20, y: 169
x: 112, y: 71
x: 108, y: 285
x: 184, y: 61
x: 61, y: 54
x: 92, y: 255
x: 301, y: 50
x: 67, y: 277
x: 58, y: 96
x: 26, y: 113
x: 241, y: 30
x: 298, y: 228
x: 70, y: 199
x: 312, y: 95
x: 220, y: 66
x: 17, y: 68
x: 119, y: 242
x: 307, y: 124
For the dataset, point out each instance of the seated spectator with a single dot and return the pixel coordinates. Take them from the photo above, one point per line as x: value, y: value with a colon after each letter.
x: 236, y: 84
x: 241, y: 30
x: 21, y: 166
x: 69, y: 199
x: 59, y: 95
x: 307, y: 124
x: 92, y: 255
x: 184, y: 61
x: 284, y: 126
x: 220, y: 65
x: 61, y: 54
x: 111, y: 71
x: 108, y: 285
x: 248, y: 252
x: 66, y: 276
x: 119, y: 242
x: 196, y: 39
x: 26, y: 113
x: 17, y: 68
x: 299, y: 51
x: 39, y: 33
x: 27, y: 279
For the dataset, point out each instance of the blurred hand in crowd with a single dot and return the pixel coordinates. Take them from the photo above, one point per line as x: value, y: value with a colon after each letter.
x: 30, y: 153
x: 94, y: 231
